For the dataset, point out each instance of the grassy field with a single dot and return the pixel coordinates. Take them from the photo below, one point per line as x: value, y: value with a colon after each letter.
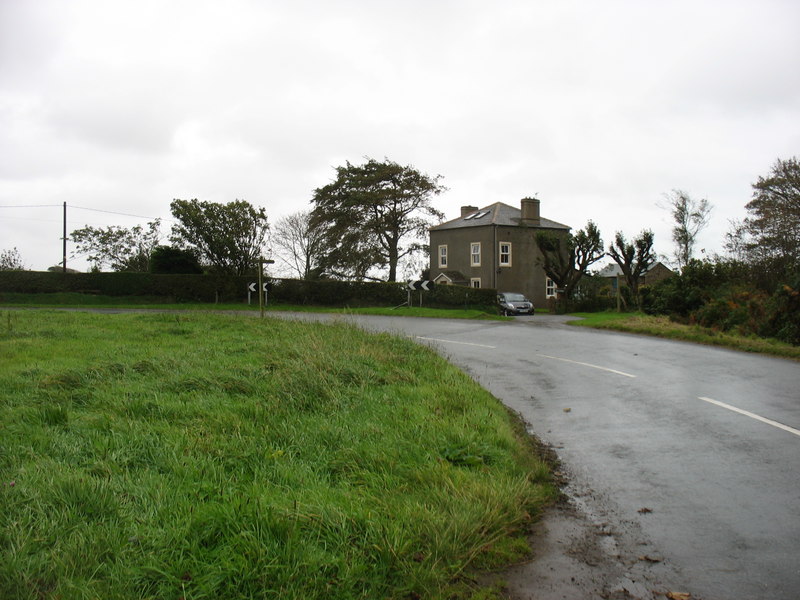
x: 664, y: 327
x: 202, y: 456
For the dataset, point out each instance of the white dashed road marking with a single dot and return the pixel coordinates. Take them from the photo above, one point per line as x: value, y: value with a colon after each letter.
x: 752, y: 415
x: 419, y: 337
x: 575, y: 362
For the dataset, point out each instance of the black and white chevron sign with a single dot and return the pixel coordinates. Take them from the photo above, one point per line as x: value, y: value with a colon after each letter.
x: 424, y: 285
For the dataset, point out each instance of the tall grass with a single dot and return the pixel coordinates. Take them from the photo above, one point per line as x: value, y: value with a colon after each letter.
x: 213, y: 456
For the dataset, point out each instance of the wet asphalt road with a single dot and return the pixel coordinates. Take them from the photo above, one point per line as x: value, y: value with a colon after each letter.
x: 712, y: 493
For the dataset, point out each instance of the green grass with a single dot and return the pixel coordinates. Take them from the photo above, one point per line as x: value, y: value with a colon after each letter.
x: 663, y: 327
x: 199, y: 455
x: 97, y: 301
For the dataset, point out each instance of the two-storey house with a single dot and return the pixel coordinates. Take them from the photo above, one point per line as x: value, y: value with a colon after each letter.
x: 494, y: 247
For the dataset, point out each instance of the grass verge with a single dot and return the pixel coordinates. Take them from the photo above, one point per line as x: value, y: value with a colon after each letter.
x: 664, y: 327
x: 200, y: 455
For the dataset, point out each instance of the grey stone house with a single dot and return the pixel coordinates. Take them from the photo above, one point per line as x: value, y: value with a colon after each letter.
x: 494, y: 247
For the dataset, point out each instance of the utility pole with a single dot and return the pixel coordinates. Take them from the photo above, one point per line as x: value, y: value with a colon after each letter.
x: 64, y: 263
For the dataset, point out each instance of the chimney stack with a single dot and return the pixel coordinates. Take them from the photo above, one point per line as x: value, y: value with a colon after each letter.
x: 530, y: 212
x: 467, y: 210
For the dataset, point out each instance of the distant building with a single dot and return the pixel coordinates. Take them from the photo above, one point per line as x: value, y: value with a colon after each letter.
x: 494, y: 247
x: 654, y: 274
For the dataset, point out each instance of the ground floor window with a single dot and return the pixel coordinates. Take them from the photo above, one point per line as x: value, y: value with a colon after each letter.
x: 475, y: 282
x: 550, y: 292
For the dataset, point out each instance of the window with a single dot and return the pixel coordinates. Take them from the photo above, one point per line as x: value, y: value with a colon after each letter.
x: 475, y: 254
x: 550, y: 292
x: 442, y: 257
x: 475, y: 282
x: 505, y: 254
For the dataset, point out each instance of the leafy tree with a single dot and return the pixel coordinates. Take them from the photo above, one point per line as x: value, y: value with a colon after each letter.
x: 634, y: 259
x: 171, y: 260
x: 10, y: 260
x: 691, y: 217
x: 121, y: 248
x: 298, y: 244
x: 567, y: 258
x: 230, y: 237
x: 771, y: 232
x: 372, y: 216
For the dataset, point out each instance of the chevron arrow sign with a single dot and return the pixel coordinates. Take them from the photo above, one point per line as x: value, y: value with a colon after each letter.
x: 424, y: 285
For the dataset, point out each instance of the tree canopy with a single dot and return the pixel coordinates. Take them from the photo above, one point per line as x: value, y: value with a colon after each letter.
x: 372, y: 216
x: 228, y: 237
x: 121, y: 248
x: 634, y: 258
x: 567, y: 258
x: 171, y: 260
x: 774, y: 216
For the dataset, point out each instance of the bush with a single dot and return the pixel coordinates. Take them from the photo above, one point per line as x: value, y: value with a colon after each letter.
x: 783, y: 314
x: 231, y: 288
x: 169, y: 260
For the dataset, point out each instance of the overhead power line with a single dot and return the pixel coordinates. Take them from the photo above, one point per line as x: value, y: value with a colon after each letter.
x: 30, y: 206
x: 111, y: 212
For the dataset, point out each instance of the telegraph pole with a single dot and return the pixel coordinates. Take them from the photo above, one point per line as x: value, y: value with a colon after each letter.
x: 64, y: 263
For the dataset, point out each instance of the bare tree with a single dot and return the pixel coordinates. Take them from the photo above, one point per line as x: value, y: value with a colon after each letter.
x: 298, y: 244
x: 690, y: 217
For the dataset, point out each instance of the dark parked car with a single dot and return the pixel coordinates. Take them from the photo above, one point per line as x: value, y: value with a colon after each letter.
x: 512, y: 303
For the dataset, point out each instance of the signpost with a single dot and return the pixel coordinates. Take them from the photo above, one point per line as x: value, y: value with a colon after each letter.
x: 424, y: 285
x: 262, y: 286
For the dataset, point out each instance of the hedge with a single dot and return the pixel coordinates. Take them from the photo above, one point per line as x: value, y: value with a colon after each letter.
x: 222, y: 288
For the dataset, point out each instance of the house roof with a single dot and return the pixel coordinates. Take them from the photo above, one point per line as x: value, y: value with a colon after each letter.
x: 495, y: 214
x: 612, y: 269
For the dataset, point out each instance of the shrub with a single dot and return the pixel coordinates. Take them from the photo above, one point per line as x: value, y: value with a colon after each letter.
x: 783, y: 314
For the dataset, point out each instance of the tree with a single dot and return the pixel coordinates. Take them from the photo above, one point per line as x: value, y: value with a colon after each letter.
x: 372, y: 216
x: 691, y: 217
x: 567, y: 258
x: 229, y: 237
x: 298, y: 244
x: 121, y: 248
x: 634, y: 259
x: 773, y: 226
x: 171, y: 260
x: 10, y: 260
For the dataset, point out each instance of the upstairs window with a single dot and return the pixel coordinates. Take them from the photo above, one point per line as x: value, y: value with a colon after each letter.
x: 442, y: 257
x: 505, y: 254
x: 475, y: 254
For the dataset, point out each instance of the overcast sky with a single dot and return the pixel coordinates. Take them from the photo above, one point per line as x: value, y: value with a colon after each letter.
x: 598, y: 108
